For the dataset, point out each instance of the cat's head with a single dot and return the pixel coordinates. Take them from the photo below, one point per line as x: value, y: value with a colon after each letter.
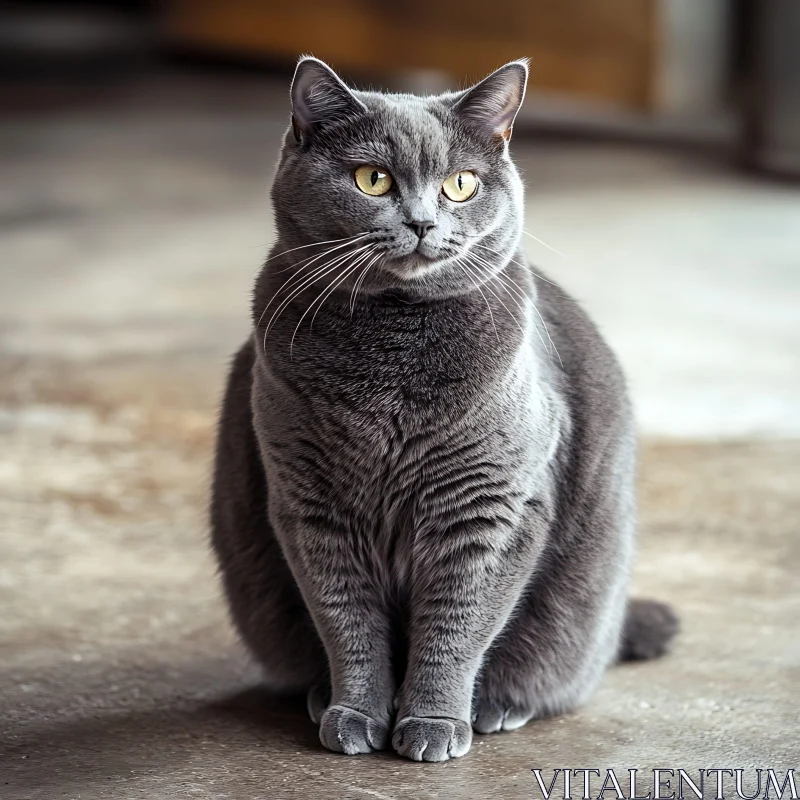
x: 421, y: 188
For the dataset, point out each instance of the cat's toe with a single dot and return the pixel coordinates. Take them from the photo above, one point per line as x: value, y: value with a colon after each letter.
x: 317, y: 701
x: 431, y: 738
x: 489, y: 720
x: 493, y: 719
x: 516, y: 719
x: 345, y: 730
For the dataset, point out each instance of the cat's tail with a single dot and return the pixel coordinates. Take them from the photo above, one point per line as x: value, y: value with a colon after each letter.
x: 649, y: 627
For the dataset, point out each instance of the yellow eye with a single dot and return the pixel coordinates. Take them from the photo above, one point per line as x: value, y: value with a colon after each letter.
x: 373, y: 180
x: 460, y: 186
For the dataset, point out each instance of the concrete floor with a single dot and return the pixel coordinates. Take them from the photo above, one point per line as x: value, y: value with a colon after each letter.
x: 131, y: 233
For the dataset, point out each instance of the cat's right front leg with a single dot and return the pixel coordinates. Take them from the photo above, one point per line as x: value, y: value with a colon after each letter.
x: 352, y: 622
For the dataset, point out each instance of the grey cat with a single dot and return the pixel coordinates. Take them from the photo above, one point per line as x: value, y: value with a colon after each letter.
x: 423, y: 502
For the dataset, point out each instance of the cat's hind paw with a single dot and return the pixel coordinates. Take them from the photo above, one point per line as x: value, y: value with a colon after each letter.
x: 317, y: 701
x: 345, y: 730
x: 493, y: 719
x: 431, y: 738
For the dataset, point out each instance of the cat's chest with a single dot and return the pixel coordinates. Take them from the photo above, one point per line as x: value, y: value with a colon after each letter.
x: 388, y: 452
x: 366, y: 414
x: 389, y: 438
x: 388, y: 360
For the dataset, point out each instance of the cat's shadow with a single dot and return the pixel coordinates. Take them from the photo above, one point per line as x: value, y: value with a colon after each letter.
x: 102, y: 747
x: 261, y: 709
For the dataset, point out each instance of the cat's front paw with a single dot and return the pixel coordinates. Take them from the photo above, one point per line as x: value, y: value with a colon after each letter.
x: 345, y: 730
x: 431, y: 738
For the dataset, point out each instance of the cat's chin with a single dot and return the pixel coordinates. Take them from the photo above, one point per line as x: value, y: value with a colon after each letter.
x: 414, y: 265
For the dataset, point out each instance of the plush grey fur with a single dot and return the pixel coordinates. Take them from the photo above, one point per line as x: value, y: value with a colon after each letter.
x: 423, y: 503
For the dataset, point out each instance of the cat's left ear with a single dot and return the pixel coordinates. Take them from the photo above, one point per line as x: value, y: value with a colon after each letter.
x: 493, y: 103
x: 319, y: 96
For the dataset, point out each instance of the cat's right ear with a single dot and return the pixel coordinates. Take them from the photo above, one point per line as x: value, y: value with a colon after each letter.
x: 492, y: 104
x: 319, y: 97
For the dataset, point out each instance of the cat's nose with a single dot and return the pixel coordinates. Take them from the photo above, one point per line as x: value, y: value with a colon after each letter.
x: 422, y: 227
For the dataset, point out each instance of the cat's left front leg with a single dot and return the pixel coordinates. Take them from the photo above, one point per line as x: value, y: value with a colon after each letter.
x: 349, y: 613
x: 467, y: 578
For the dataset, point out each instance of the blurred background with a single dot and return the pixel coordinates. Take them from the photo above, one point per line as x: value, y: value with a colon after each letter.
x: 660, y: 147
x: 660, y: 142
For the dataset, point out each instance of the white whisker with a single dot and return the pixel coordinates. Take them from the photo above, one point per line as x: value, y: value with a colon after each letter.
x: 323, y: 295
x: 298, y: 275
x: 318, y: 273
x: 349, y: 270
x: 536, y: 238
x: 514, y: 261
x: 535, y: 308
x: 547, y: 333
x: 502, y: 277
x: 360, y: 280
x: 306, y: 280
x: 353, y: 238
x: 315, y: 256
x: 464, y: 269
x: 480, y: 272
